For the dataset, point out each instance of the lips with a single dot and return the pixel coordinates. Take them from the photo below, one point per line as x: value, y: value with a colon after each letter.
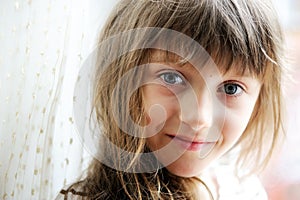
x: 190, y: 144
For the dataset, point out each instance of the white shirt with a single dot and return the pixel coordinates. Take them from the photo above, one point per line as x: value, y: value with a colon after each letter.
x: 227, y: 186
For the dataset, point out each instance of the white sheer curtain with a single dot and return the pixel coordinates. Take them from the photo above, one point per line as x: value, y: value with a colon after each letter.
x: 43, y: 44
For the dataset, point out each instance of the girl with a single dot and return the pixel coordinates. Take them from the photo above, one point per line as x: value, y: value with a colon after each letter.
x: 178, y: 85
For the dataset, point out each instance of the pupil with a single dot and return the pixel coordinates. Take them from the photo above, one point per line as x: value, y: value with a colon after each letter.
x: 170, y: 78
x: 230, y: 89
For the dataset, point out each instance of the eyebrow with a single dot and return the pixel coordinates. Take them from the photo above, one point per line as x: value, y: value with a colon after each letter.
x: 231, y: 72
x: 180, y: 63
x: 186, y: 66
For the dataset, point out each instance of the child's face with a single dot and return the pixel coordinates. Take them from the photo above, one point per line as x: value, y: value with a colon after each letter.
x: 195, y: 118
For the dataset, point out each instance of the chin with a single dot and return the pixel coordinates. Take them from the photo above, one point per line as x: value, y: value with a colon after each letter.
x: 186, y: 170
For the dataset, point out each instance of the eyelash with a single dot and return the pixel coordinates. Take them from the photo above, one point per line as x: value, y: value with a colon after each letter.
x: 222, y: 89
x: 238, y: 89
x: 177, y: 76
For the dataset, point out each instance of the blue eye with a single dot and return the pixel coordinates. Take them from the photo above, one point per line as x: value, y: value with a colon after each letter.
x: 231, y: 89
x: 171, y: 78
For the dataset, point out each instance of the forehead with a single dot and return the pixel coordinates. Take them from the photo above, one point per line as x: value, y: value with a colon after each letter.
x: 157, y: 55
x: 225, y: 66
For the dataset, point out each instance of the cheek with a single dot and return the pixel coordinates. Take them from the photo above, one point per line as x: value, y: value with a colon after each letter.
x: 159, y: 108
x: 235, y: 124
x: 160, y: 114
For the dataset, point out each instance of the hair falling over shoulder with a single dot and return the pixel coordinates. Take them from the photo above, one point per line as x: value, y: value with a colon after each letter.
x: 245, y: 31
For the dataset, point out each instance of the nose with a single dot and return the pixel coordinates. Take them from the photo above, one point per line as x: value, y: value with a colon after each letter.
x: 196, y: 108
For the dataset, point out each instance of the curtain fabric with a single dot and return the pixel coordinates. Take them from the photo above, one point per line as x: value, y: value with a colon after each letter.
x: 43, y: 44
x: 42, y: 47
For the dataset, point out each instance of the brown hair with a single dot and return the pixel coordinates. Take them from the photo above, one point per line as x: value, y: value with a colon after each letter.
x: 245, y: 31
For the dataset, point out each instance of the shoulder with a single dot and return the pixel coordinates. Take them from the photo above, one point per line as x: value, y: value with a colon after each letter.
x: 249, y: 188
x: 231, y: 187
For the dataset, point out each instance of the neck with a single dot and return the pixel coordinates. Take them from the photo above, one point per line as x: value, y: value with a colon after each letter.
x: 207, y: 186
